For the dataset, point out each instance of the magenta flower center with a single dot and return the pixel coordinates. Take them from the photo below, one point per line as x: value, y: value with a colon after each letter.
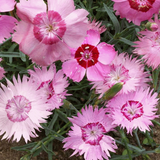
x: 118, y: 73
x: 132, y: 109
x: 18, y: 108
x: 141, y: 5
x: 49, y: 28
x: 87, y: 55
x: 92, y: 133
x: 47, y: 88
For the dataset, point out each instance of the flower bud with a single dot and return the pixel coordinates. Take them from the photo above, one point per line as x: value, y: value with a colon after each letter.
x: 151, y: 26
x: 112, y: 91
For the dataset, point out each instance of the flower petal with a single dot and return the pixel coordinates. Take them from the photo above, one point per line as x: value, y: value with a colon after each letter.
x: 73, y: 70
x: 93, y: 38
x: 97, y: 72
x: 7, y: 5
x: 63, y: 7
x: 45, y: 55
x: 76, y: 28
x: 107, y: 53
x: 7, y: 24
x: 27, y: 10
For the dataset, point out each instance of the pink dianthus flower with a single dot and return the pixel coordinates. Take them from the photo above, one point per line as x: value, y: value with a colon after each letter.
x: 126, y: 70
x: 134, y: 110
x: 91, y: 58
x: 51, y: 84
x: 149, y: 46
x: 21, y: 110
x: 88, y: 134
x: 136, y: 10
x: 45, y: 32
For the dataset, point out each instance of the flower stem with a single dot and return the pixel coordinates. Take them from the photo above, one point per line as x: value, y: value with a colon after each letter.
x: 137, y: 139
x: 124, y: 140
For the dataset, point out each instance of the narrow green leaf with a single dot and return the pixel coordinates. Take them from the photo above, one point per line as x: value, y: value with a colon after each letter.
x: 126, y: 41
x: 24, y: 147
x: 23, y: 57
x: 52, y: 122
x: 113, y: 18
x: 62, y: 116
x: 9, y: 54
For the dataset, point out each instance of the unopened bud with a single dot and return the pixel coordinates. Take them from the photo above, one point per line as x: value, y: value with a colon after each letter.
x: 112, y: 91
x: 151, y: 26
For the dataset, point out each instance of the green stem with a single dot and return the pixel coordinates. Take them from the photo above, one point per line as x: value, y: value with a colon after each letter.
x: 150, y: 140
x: 124, y: 139
x: 155, y: 122
x: 137, y: 139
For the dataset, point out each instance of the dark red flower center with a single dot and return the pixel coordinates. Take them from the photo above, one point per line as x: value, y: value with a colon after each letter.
x: 141, y: 5
x: 132, y: 109
x: 87, y: 55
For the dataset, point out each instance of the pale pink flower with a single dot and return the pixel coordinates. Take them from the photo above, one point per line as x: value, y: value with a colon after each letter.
x: 149, y: 46
x: 21, y: 110
x: 51, y: 84
x: 7, y: 23
x: 134, y: 110
x: 88, y: 134
x: 96, y: 25
x: 6, y: 5
x: 45, y: 32
x: 136, y: 10
x: 92, y: 58
x: 126, y: 70
x: 1, y: 71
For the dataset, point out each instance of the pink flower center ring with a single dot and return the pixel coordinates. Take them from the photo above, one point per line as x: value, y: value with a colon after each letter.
x: 141, y: 5
x: 132, y: 110
x: 49, y: 28
x: 92, y: 133
x: 48, y: 88
x: 87, y: 55
x: 18, y: 108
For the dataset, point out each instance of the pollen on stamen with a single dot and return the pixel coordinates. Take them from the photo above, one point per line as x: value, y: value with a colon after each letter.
x: 87, y: 47
x: 81, y: 59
